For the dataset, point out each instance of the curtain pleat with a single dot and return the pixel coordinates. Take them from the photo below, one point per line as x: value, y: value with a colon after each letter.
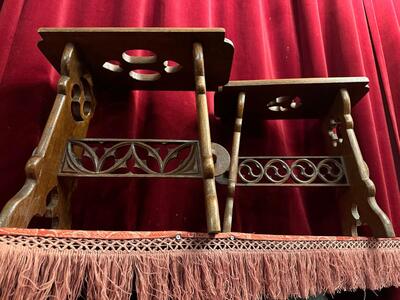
x: 383, y: 23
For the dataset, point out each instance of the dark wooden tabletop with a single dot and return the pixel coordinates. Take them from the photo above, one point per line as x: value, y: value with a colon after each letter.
x: 287, y: 98
x: 98, y: 46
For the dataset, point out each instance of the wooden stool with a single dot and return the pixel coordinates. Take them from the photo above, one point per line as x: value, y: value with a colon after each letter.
x: 328, y: 99
x: 174, y: 59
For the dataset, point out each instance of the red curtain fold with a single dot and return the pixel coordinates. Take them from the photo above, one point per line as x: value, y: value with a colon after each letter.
x: 383, y: 20
x: 273, y: 39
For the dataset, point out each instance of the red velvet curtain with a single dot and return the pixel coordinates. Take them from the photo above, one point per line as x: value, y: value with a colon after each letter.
x: 273, y: 39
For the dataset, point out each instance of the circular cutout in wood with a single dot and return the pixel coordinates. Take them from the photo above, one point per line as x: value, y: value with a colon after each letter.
x: 75, y: 92
x: 139, y: 56
x: 88, y: 104
x: 82, y: 104
x: 86, y: 108
x: 113, y: 65
x: 171, y: 66
x: 145, y: 75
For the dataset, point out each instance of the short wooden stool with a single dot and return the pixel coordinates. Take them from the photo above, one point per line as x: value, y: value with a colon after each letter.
x: 123, y: 58
x: 328, y: 99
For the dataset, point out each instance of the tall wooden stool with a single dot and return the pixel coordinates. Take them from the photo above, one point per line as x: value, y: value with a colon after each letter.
x: 124, y: 58
x: 328, y: 99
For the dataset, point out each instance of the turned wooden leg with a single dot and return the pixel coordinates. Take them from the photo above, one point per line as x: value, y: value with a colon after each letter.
x: 233, y: 168
x: 359, y: 205
x: 43, y: 193
x: 212, y: 211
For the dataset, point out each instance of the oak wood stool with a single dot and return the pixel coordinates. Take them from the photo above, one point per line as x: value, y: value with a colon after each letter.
x: 124, y: 58
x: 328, y: 99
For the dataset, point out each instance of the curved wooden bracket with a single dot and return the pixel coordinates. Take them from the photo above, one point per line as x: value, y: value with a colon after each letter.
x: 43, y: 193
x: 358, y: 204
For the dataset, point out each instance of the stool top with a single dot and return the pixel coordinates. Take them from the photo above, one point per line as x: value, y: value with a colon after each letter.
x: 298, y: 98
x: 143, y: 58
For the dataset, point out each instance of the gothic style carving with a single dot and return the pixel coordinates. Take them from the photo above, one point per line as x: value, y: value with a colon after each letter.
x: 131, y: 158
x: 138, y: 158
x: 44, y: 194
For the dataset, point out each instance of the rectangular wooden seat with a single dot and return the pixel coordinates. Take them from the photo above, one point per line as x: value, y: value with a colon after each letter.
x: 273, y: 99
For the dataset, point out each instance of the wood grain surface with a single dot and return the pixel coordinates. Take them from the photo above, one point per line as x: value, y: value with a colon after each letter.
x: 100, y: 45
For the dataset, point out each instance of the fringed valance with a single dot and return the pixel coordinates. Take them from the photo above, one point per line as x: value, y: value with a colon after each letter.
x: 63, y: 264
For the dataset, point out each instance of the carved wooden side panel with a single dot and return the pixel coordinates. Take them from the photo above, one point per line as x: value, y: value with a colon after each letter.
x: 358, y: 203
x: 43, y: 193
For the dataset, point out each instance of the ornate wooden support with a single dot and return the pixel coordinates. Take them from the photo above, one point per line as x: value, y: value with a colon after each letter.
x: 358, y: 204
x: 233, y: 168
x: 94, y: 157
x: 212, y: 211
x: 44, y: 194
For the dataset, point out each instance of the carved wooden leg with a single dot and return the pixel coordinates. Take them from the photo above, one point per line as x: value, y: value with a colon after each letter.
x: 58, y: 203
x: 212, y: 211
x: 233, y: 168
x: 43, y: 194
x: 350, y: 218
x: 360, y: 198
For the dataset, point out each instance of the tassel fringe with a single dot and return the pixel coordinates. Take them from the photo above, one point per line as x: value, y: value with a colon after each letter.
x: 30, y: 272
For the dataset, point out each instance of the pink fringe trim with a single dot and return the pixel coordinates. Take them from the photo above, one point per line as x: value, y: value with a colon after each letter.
x: 197, y: 267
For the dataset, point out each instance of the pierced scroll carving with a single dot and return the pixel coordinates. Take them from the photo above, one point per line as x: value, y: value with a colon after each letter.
x: 292, y: 170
